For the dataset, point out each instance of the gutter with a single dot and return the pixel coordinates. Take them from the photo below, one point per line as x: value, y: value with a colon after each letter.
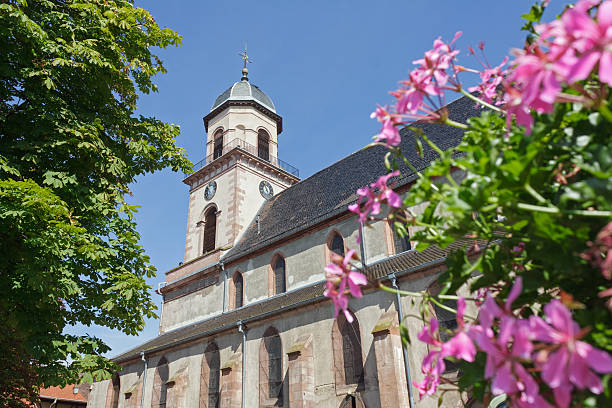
x: 144, y: 379
x: 400, y: 315
x: 224, y: 287
x: 224, y: 327
x: 161, y: 313
x: 242, y: 381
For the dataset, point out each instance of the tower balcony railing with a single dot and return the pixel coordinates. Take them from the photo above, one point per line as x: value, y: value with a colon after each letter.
x: 249, y: 148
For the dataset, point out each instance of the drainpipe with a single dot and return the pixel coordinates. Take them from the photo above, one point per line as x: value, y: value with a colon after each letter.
x: 224, y: 286
x: 241, y: 330
x: 53, y: 404
x: 161, y: 313
x: 400, y: 314
x: 144, y: 379
x: 361, y: 245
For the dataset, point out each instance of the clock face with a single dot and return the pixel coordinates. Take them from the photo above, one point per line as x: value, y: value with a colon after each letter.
x: 266, y: 190
x: 210, y: 190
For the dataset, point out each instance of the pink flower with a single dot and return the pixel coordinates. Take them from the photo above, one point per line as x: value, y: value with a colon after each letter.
x: 607, y: 293
x: 459, y: 346
x: 371, y: 197
x: 436, y: 62
x: 573, y: 363
x: 390, y: 132
x: 534, y: 85
x: 600, y: 252
x: 342, y: 280
x: 591, y: 39
x: 433, y: 366
x: 490, y: 79
x: 429, y: 79
x: 513, y: 342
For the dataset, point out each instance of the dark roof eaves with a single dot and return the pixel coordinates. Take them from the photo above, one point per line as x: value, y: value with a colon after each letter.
x: 135, y: 352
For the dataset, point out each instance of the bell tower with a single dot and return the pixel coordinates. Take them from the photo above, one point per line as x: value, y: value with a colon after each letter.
x: 241, y: 169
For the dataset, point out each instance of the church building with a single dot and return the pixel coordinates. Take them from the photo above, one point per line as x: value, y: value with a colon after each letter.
x: 244, y: 322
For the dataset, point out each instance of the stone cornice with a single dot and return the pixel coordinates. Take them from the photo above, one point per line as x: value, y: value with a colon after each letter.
x: 274, y: 116
x: 232, y: 158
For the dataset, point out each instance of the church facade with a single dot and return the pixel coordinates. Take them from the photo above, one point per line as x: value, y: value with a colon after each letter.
x: 244, y: 322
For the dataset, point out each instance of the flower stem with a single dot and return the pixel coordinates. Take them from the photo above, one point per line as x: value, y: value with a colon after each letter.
x: 605, y: 111
x: 556, y: 210
x: 442, y: 306
x: 480, y: 101
x: 456, y: 124
x: 420, y: 294
x: 534, y: 193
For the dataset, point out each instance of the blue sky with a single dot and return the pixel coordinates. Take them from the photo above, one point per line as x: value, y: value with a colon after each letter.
x: 326, y: 64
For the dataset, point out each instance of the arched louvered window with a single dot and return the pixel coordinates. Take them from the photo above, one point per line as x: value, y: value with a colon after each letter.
x: 351, y: 350
x: 336, y: 244
x: 348, y: 362
x: 351, y: 401
x: 271, y: 369
x: 210, y: 376
x: 238, y: 290
x: 279, y: 275
x: 210, y: 229
x: 402, y: 244
x: 218, y: 147
x: 160, y: 386
x: 263, y: 145
x: 112, y: 394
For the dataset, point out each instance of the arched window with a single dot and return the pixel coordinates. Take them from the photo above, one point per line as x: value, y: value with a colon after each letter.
x: 112, y: 394
x: 402, y: 244
x: 348, y: 362
x: 351, y: 401
x: 218, y: 147
x: 209, y: 377
x: 210, y: 229
x: 271, y: 369
x: 238, y: 290
x: 336, y: 244
x: 278, y: 273
x: 160, y: 386
x: 263, y: 145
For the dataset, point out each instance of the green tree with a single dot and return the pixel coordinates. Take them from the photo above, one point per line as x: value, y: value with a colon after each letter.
x: 70, y: 145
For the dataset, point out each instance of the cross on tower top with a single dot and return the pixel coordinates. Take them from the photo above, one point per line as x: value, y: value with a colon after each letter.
x: 246, y: 59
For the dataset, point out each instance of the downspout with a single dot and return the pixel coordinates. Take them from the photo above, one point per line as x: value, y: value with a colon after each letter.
x: 53, y: 404
x: 400, y: 315
x: 241, y: 330
x: 224, y: 286
x: 144, y: 379
x: 361, y: 245
x: 161, y: 313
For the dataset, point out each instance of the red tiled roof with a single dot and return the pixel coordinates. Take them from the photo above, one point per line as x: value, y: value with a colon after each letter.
x: 66, y: 393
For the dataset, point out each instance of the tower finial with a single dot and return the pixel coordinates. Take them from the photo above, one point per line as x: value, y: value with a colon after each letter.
x: 245, y: 58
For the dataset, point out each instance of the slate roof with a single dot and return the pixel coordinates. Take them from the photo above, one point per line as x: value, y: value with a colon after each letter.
x: 327, y: 193
x: 244, y: 91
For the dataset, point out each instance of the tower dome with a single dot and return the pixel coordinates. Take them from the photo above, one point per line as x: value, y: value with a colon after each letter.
x: 244, y: 91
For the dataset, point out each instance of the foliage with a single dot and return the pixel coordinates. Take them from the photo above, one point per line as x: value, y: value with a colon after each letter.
x: 70, y: 145
x: 529, y: 190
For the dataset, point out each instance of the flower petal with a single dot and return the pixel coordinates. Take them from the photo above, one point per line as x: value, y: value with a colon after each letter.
x: 598, y: 360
